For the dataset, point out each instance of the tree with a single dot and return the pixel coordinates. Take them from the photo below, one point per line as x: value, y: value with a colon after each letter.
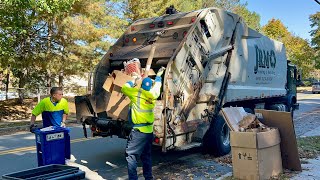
x: 85, y: 35
x: 229, y: 5
x: 43, y: 39
x: 315, y: 34
x: 298, y: 50
x: 252, y: 19
x: 138, y: 9
x: 276, y: 30
x: 18, y: 36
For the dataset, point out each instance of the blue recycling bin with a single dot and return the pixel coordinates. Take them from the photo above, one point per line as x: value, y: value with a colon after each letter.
x: 53, y: 171
x: 53, y: 145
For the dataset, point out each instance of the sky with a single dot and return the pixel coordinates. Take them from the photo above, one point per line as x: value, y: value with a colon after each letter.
x: 294, y: 14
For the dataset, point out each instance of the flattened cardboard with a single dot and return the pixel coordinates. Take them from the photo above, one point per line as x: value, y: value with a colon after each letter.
x: 118, y: 105
x: 256, y: 155
x: 108, y: 84
x: 120, y: 78
x: 233, y: 115
x: 289, y: 150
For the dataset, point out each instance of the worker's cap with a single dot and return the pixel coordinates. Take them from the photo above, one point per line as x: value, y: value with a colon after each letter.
x: 146, y: 83
x: 134, y: 60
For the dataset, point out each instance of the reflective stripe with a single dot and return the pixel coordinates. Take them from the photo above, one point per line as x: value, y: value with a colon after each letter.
x: 142, y: 124
x: 138, y: 104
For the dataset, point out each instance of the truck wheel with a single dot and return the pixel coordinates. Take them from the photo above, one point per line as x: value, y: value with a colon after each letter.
x: 216, y: 141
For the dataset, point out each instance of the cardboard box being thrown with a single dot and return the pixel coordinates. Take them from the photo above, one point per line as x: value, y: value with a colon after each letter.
x: 256, y: 154
x: 118, y: 104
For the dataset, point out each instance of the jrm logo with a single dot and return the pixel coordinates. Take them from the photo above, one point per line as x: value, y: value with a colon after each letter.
x: 264, y: 59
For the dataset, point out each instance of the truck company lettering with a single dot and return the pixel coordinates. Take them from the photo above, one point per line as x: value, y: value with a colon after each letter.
x: 264, y: 59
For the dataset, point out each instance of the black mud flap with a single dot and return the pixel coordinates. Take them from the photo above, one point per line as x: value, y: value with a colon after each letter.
x: 216, y: 141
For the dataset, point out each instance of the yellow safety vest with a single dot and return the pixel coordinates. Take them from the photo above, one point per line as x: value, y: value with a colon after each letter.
x: 142, y: 104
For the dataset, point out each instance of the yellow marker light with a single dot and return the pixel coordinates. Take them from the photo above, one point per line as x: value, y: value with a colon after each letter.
x: 134, y: 39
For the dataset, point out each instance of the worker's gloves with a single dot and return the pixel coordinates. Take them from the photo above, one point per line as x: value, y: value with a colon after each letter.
x: 134, y: 75
x: 63, y: 124
x: 160, y: 72
x: 32, y: 128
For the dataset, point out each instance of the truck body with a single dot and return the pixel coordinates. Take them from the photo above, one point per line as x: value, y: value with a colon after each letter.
x: 213, y: 60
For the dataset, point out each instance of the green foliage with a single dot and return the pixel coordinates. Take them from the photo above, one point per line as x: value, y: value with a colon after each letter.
x: 41, y: 38
x: 298, y: 51
x: 276, y: 30
x: 315, y: 34
x: 229, y: 5
x: 252, y: 19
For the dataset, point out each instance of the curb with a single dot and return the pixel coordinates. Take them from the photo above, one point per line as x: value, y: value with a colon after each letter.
x: 26, y: 127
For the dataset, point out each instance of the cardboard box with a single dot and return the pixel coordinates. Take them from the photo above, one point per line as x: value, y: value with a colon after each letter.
x: 289, y: 150
x: 256, y: 155
x: 118, y: 105
x: 108, y: 84
x: 120, y: 78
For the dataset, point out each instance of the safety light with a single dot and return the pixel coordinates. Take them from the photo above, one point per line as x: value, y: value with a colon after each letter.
x: 93, y: 128
x: 156, y: 140
x: 185, y: 33
x: 126, y: 40
x: 134, y: 39
x: 133, y: 28
x: 170, y: 22
x: 193, y: 20
x: 152, y: 25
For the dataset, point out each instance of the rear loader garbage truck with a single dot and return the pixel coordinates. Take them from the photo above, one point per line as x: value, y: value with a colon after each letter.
x: 212, y: 60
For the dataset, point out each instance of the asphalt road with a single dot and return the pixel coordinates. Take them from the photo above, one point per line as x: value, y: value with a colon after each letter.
x: 308, y: 102
x: 103, y: 158
x: 100, y: 158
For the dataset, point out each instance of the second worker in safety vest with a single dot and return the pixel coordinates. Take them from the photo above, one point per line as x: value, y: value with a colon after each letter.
x: 142, y: 117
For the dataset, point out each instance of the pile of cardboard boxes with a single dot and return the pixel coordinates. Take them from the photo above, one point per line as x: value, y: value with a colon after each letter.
x: 262, y: 144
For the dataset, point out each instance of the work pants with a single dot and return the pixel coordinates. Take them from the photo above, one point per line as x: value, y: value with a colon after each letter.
x: 139, y: 145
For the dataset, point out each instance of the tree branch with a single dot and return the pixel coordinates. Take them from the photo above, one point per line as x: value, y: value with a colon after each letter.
x: 317, y: 1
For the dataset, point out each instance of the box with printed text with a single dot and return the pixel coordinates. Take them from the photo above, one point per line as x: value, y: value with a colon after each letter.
x: 256, y: 155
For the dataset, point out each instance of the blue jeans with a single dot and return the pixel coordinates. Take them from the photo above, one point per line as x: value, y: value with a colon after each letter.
x: 139, y: 145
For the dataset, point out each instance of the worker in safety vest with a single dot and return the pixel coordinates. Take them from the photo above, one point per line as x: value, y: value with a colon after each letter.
x: 54, y: 110
x: 142, y: 117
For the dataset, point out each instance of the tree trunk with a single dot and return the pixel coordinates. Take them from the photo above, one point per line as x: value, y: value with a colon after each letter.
x: 89, y: 88
x: 7, y: 81
x: 49, y: 83
x: 22, y: 83
x: 61, y: 79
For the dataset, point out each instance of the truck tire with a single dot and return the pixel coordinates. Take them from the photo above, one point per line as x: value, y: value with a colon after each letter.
x: 216, y: 141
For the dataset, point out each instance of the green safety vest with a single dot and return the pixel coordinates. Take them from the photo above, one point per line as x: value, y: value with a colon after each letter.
x: 141, y: 105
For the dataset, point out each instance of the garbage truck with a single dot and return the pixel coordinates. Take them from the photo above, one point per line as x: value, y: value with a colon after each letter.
x: 212, y: 60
